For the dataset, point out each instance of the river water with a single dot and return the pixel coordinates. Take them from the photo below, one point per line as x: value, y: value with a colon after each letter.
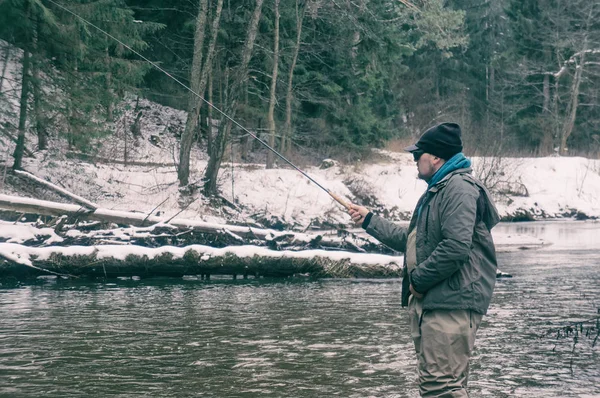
x: 300, y: 338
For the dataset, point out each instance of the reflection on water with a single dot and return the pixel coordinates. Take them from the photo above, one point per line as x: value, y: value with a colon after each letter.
x: 347, y: 338
x: 562, y: 234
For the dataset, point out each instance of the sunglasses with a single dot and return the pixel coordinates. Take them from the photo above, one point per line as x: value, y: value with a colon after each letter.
x: 417, y: 154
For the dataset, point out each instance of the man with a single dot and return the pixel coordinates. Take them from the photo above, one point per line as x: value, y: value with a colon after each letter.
x: 449, y: 263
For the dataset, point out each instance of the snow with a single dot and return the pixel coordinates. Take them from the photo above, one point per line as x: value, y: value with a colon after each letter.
x: 556, y: 186
x: 142, y: 178
x: 23, y: 254
x: 22, y: 232
x: 122, y: 217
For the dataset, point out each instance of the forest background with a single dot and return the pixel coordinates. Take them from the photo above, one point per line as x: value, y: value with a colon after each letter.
x: 313, y: 78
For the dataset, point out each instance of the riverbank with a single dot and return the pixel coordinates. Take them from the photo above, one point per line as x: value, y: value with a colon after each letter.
x: 141, y: 176
x: 534, y: 189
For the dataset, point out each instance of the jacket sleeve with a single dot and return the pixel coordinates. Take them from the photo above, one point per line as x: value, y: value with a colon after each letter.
x: 387, y: 232
x: 457, y: 214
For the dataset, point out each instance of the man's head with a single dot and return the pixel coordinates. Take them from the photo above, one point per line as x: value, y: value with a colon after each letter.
x: 435, y: 147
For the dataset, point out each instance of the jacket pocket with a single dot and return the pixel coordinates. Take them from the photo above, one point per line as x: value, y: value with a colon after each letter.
x: 465, y: 276
x: 454, y: 281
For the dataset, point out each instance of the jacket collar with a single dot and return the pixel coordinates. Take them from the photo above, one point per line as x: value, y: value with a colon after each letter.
x: 445, y: 180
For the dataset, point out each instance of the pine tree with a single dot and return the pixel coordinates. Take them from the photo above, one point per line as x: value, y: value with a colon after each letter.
x: 22, y: 22
x: 97, y: 69
x: 110, y: 64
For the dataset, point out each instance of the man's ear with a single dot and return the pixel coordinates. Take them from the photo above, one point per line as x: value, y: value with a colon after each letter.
x: 438, y: 160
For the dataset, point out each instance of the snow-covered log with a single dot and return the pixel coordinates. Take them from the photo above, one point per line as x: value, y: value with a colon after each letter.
x: 61, y: 191
x: 34, y: 206
x: 111, y: 261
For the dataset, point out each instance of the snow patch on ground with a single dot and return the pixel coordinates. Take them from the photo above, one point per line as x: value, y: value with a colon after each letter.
x: 556, y: 187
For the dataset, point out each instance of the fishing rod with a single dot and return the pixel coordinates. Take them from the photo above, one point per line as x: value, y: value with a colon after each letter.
x: 330, y: 193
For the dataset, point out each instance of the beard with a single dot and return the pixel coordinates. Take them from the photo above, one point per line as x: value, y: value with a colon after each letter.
x: 424, y: 177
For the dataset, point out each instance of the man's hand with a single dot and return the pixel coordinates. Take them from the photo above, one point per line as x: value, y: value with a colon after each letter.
x: 415, y: 293
x: 358, y: 213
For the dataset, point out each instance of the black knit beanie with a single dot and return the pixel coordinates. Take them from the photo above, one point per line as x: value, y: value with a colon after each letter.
x: 442, y: 141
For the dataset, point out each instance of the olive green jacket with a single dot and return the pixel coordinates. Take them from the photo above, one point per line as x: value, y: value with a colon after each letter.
x: 456, y: 258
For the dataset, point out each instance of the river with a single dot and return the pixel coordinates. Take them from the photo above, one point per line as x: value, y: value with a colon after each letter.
x: 297, y: 338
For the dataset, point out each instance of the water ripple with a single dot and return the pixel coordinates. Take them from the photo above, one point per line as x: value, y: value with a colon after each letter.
x: 299, y: 339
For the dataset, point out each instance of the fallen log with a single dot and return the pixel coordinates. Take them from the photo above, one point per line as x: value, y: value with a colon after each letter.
x: 61, y: 191
x: 27, y: 205
x: 112, y: 261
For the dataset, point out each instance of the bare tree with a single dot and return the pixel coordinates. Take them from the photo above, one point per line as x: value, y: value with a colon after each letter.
x: 40, y: 126
x: 286, y: 138
x: 272, y: 100
x: 194, y: 103
x: 199, y: 79
x: 571, y: 113
x: 575, y: 35
x: 240, y: 75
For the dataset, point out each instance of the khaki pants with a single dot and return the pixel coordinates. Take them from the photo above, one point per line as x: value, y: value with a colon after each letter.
x: 444, y: 341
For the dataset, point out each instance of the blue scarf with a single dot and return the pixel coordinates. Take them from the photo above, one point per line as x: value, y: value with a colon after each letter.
x: 458, y: 161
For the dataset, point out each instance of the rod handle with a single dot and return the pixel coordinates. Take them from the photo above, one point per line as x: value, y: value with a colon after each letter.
x: 339, y: 200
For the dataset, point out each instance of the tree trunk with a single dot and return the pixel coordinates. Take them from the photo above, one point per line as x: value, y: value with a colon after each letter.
x: 271, y: 113
x: 546, y: 143
x: 4, y: 66
x: 214, y: 162
x: 71, y: 111
x: 210, y: 135
x: 25, y: 82
x: 354, y: 51
x: 199, y: 79
x: 492, y: 84
x: 573, y: 103
x: 136, y: 127
x: 194, y: 103
x: 286, y: 140
x: 546, y: 91
x: 555, y: 114
x: 37, y: 94
x: 208, y: 63
x: 245, y: 142
x: 203, y: 128
x: 109, y: 103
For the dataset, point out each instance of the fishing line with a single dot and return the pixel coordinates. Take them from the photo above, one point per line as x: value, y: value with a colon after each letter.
x: 334, y: 196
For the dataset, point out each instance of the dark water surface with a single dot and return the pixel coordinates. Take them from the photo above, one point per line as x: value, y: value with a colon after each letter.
x: 346, y: 338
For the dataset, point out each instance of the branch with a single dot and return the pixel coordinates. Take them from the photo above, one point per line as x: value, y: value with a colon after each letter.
x: 571, y: 60
x: 410, y: 5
